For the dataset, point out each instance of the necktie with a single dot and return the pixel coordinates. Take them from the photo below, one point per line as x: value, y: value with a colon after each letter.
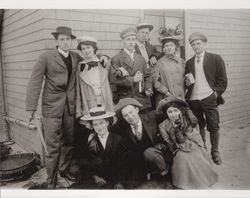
x: 144, y: 52
x: 198, y: 59
x: 138, y: 133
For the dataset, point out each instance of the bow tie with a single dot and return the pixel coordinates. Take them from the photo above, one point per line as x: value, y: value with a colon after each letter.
x: 91, y: 65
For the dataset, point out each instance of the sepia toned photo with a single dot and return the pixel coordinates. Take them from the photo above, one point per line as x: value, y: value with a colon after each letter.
x: 125, y: 99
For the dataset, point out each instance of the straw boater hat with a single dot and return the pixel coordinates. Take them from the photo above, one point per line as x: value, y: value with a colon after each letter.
x: 166, y: 102
x: 125, y: 102
x: 97, y: 113
x: 128, y: 32
x: 197, y: 36
x: 143, y: 24
x: 63, y: 30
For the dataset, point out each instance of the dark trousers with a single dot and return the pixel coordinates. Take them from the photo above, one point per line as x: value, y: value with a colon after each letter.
x: 207, y: 113
x: 59, y: 139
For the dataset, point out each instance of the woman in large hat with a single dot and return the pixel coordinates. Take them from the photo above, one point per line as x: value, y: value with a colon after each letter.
x: 93, y: 87
x: 192, y: 167
x: 170, y: 68
x: 107, y: 156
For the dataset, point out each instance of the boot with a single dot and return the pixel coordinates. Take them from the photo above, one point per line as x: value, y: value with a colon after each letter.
x: 203, y: 137
x: 214, y: 139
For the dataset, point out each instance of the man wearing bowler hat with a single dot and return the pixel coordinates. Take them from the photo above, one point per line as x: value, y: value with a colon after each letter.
x: 134, y: 78
x: 206, y: 81
x: 58, y: 103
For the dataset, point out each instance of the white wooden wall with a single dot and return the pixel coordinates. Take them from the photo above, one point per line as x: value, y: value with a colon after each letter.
x: 228, y: 33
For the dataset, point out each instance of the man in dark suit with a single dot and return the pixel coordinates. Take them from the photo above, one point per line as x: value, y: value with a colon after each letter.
x: 206, y: 81
x: 141, y: 132
x: 58, y: 103
x: 135, y: 79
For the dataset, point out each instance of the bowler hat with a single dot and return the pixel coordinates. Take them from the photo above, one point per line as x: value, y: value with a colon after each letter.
x: 86, y: 39
x: 128, y: 32
x: 169, y: 100
x: 125, y: 102
x: 97, y: 113
x: 143, y: 24
x: 197, y: 36
x: 63, y: 30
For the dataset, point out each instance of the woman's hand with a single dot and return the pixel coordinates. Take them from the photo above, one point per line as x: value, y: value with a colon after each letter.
x: 186, y: 146
x: 99, y: 180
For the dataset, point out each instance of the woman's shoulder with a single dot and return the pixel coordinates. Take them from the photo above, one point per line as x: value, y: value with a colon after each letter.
x: 166, y: 124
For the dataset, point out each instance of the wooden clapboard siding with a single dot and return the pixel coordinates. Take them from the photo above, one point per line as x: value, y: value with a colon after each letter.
x: 228, y: 33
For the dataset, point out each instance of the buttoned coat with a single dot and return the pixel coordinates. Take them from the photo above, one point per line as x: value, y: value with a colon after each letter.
x: 126, y: 87
x: 215, y: 72
x: 58, y: 92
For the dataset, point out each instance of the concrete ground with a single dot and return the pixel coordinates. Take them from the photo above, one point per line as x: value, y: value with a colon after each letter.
x: 234, y: 173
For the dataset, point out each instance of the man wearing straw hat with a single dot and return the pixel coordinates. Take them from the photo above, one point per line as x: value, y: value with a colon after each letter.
x: 206, y: 81
x: 58, y: 103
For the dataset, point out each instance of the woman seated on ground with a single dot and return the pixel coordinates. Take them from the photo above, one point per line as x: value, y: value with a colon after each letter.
x: 192, y: 167
x: 107, y: 157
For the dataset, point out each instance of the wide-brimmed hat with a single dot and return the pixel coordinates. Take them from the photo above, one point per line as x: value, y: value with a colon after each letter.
x: 197, y: 36
x: 128, y: 32
x: 63, y: 30
x: 170, y: 34
x: 125, y: 102
x: 97, y: 113
x: 144, y: 24
x: 165, y: 102
x: 86, y: 38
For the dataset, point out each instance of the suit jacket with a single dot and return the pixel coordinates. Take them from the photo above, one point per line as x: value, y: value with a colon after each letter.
x: 58, y: 91
x: 111, y: 163
x: 215, y: 72
x: 150, y: 125
x: 126, y: 87
x: 151, y: 50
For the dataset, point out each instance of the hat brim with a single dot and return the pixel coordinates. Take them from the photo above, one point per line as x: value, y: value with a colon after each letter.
x: 88, y: 117
x: 56, y: 33
x: 174, y: 38
x: 150, y: 27
x: 165, y: 102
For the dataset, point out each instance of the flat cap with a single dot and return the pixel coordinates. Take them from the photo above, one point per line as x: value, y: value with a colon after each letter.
x: 144, y: 24
x: 197, y: 36
x: 128, y: 32
x: 125, y: 102
x: 86, y: 38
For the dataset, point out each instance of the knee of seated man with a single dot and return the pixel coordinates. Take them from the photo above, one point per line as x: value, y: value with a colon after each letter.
x: 149, y: 153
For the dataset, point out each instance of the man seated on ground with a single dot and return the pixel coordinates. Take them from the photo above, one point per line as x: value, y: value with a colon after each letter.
x: 141, y: 133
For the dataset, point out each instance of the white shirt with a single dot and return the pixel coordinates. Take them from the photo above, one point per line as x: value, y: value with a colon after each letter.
x: 103, y: 139
x: 65, y: 54
x: 139, y: 125
x: 143, y: 50
x: 131, y: 54
x: 201, y: 88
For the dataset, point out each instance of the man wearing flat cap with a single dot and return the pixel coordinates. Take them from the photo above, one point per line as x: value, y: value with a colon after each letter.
x: 58, y: 103
x: 206, y: 81
x: 142, y: 134
x: 135, y: 78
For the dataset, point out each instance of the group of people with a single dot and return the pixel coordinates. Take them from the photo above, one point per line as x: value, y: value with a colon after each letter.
x: 143, y: 112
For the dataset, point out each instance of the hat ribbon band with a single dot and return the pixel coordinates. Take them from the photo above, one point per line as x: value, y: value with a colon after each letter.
x: 98, y: 113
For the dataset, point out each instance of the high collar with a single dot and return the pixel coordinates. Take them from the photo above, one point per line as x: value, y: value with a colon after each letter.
x: 65, y: 54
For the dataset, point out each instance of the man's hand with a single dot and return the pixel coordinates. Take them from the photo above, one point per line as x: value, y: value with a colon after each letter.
x: 123, y: 71
x: 99, y: 180
x: 118, y: 186
x: 153, y: 60
x: 149, y: 92
x: 138, y: 76
x: 192, y: 118
x: 105, y: 61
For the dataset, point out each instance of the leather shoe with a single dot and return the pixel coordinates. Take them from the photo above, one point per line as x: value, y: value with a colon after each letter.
x: 69, y: 176
x: 216, y: 158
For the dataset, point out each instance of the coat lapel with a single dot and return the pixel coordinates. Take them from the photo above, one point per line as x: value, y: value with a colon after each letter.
x: 109, y: 143
x: 136, y: 63
x: 205, y: 61
x: 127, y: 60
x: 147, y: 124
x: 130, y: 134
x: 192, y: 68
x: 59, y: 59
